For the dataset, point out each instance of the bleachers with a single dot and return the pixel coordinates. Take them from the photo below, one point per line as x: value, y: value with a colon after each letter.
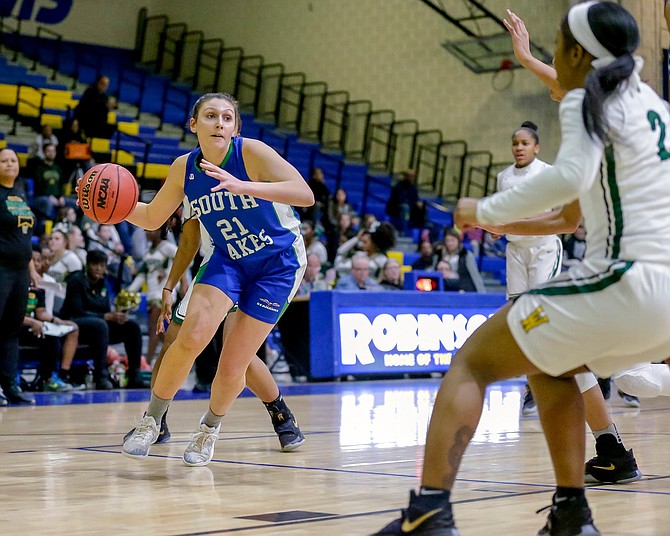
x: 496, y: 266
x: 42, y: 101
x: 130, y: 148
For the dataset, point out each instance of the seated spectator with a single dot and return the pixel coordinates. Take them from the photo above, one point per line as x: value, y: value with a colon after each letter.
x: 461, y: 262
x: 63, y: 262
x: 43, y: 242
x: 108, y: 241
x: 312, y: 242
x: 574, y: 247
x: 404, y: 207
x: 49, y: 182
x: 75, y: 152
x: 359, y: 278
x: 313, y: 279
x: 451, y: 280
x: 427, y: 260
x: 125, y: 233
x: 35, y: 334
x: 391, y: 276
x: 374, y: 242
x: 66, y: 217
x: 44, y: 138
x: 139, y: 244
x: 92, y: 110
x: 153, y: 272
x: 343, y: 231
x: 338, y: 206
x: 88, y: 304
x: 104, y: 237
x: 72, y: 133
x: 75, y: 243
x: 41, y: 261
x: 369, y: 221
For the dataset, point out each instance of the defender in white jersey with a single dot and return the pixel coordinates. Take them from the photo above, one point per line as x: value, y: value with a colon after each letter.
x: 653, y: 379
x: 530, y: 260
x: 535, y: 259
x: 206, y: 250
x: 602, y: 314
x: 613, y: 463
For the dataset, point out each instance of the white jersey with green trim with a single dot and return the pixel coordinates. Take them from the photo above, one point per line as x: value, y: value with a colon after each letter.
x: 627, y: 210
x: 206, y: 242
x: 623, y: 189
x: 509, y: 178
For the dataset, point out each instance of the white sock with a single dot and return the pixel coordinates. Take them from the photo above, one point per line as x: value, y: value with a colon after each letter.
x: 611, y: 429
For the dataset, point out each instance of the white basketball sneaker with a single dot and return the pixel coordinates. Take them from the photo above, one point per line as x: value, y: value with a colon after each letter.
x: 201, y: 449
x: 145, y: 434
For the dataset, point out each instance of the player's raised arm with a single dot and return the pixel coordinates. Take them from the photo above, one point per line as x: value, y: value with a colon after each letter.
x: 521, y: 43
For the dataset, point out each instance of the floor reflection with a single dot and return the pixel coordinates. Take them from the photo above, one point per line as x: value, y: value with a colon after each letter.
x: 398, y: 417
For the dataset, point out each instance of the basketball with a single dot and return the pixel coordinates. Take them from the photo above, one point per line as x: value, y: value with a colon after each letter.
x: 108, y: 193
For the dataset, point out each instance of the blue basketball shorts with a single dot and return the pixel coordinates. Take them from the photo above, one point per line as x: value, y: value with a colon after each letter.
x: 262, y: 288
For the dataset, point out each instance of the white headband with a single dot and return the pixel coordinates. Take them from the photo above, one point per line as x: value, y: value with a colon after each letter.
x: 578, y: 22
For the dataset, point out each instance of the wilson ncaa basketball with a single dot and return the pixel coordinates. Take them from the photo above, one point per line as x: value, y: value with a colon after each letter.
x: 108, y: 193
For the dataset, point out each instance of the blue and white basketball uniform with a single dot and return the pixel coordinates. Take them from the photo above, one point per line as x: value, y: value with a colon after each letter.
x: 531, y: 260
x: 605, y: 312
x: 258, y: 258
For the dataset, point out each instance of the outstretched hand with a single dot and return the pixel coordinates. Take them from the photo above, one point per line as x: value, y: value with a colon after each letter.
x: 520, y: 37
x: 465, y: 216
x: 226, y: 180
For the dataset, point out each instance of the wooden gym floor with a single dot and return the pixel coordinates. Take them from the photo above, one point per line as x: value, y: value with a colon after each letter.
x: 62, y: 472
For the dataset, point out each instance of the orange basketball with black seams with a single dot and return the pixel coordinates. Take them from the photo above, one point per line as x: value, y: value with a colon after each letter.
x: 108, y: 193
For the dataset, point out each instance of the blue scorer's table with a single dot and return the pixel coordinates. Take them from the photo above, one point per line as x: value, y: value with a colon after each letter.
x: 392, y: 332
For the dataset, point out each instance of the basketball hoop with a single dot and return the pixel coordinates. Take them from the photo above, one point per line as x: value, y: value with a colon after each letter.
x: 504, y: 76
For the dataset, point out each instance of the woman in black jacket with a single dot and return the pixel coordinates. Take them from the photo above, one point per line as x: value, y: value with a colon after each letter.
x: 16, y: 230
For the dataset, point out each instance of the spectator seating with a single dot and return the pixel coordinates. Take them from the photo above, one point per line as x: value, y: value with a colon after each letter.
x: 59, y: 100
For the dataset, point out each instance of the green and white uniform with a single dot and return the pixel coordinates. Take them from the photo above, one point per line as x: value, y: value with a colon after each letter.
x: 531, y: 260
x: 206, y: 250
x: 607, y: 312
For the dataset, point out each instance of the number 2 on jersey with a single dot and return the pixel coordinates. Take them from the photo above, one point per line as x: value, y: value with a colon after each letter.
x: 654, y: 120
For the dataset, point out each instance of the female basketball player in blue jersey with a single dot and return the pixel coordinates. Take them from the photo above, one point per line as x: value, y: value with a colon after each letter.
x: 242, y: 192
x: 603, y: 314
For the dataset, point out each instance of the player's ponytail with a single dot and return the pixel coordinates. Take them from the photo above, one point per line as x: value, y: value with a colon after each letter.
x: 610, y: 34
x: 600, y: 84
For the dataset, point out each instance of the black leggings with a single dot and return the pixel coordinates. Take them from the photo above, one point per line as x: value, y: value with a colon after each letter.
x: 13, y: 302
x: 98, y: 334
